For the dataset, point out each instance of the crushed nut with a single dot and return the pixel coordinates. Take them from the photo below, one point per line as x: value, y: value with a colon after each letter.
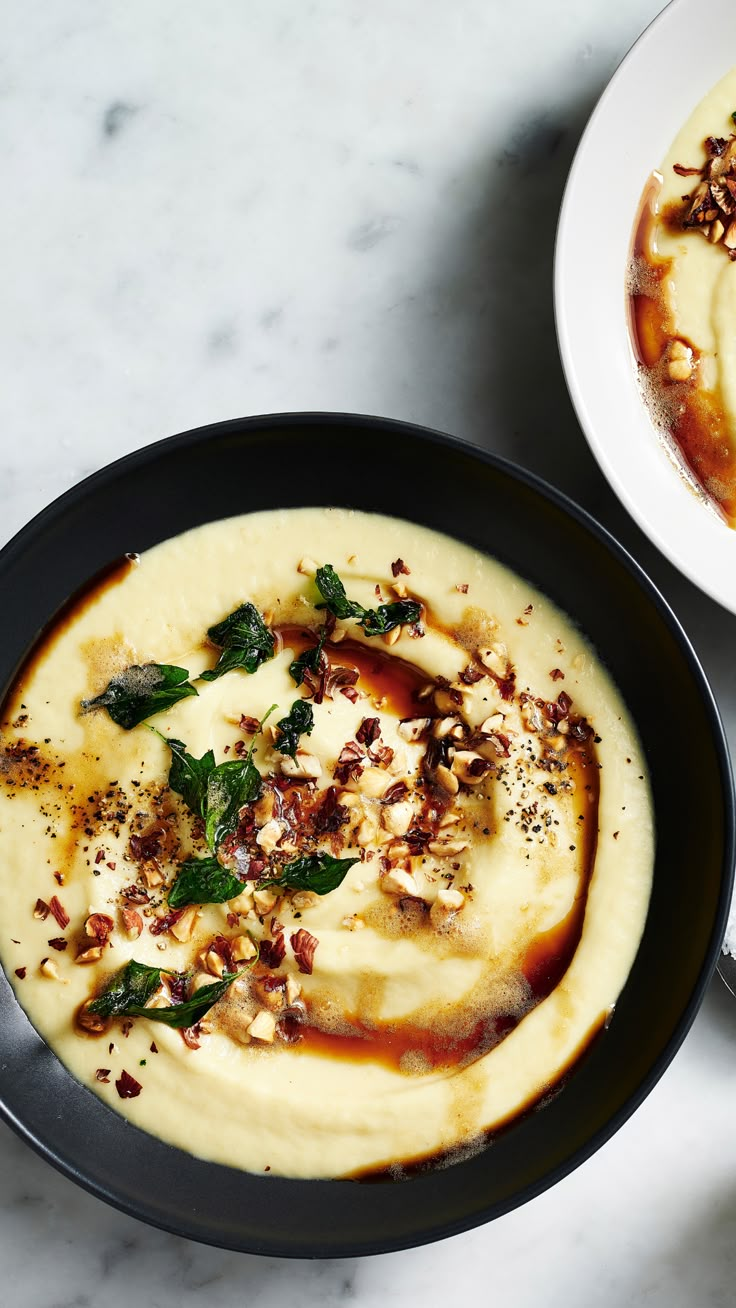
x: 397, y: 881
x: 447, y: 848
x: 447, y: 779
x: 373, y: 782
x: 49, y: 969
x: 307, y: 567
x: 469, y: 767
x: 447, y: 903
x: 264, y: 900
x: 412, y: 729
x: 269, y: 835
x: 91, y: 955
x: 183, y: 927
x: 397, y: 818
x: 242, y: 949
x: 303, y: 767
x: 133, y: 923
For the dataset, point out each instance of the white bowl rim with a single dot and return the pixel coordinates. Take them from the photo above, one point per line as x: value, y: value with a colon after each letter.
x: 643, y: 477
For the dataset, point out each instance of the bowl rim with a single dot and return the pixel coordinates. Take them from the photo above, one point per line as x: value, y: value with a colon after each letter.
x: 695, y: 551
x: 193, y: 1228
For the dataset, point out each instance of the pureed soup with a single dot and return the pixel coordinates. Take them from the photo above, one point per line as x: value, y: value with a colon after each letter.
x: 326, y: 843
x: 682, y: 297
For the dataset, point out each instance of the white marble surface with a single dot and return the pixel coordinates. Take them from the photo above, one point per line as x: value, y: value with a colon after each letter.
x: 210, y: 210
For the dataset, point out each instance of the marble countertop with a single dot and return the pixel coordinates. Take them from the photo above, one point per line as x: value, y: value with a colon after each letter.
x: 236, y: 208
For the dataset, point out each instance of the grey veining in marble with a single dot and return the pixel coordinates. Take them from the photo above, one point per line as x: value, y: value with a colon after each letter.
x: 211, y: 210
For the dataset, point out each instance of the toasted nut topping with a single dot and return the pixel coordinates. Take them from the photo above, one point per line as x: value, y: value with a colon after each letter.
x: 445, y: 727
x: 133, y: 923
x: 716, y: 231
x: 447, y: 848
x: 469, y: 766
x: 444, y: 701
x: 214, y: 962
x: 349, y: 799
x: 729, y: 239
x: 91, y: 955
x: 367, y: 831
x: 99, y: 926
x: 269, y: 835
x: 353, y: 923
x: 392, y: 636
x: 373, y: 782
x: 263, y: 1027
x: 447, y: 903
x: 413, y: 728
x: 264, y: 900
x: 449, y: 818
x: 241, y: 903
x: 307, y: 567
x: 152, y: 875
x: 242, y: 949
x: 398, y: 849
x: 496, y: 659
x: 95, y: 1023
x: 304, y: 767
x: 199, y: 980
x: 183, y: 927
x: 293, y: 989
x: 447, y: 779
x: 49, y: 969
x: 399, y: 882
x: 304, y: 899
x: 399, y: 589
x: 397, y: 818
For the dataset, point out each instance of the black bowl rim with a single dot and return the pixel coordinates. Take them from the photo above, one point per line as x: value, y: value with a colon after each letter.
x: 138, y: 459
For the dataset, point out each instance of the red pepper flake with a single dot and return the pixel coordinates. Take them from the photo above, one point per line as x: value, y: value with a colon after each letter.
x: 398, y: 566
x: 251, y: 726
x: 59, y: 877
x: 616, y: 835
x: 304, y: 945
x: 41, y: 910
x: 350, y: 693
x: 529, y: 609
x: 59, y: 943
x: 146, y: 847
x: 127, y: 1086
x: 564, y: 701
x: 20, y: 972
x: 59, y: 912
x: 377, y: 592
x: 462, y: 587
x: 111, y: 866
x: 100, y: 856
x: 103, y: 1074
x: 557, y: 674
x: 126, y: 1026
x: 270, y: 983
x: 683, y: 171
x: 368, y: 731
x: 154, y: 1047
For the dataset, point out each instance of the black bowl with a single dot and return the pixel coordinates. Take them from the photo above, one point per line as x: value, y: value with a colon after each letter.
x: 395, y: 468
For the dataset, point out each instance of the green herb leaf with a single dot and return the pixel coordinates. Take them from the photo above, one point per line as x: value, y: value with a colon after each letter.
x: 733, y: 115
x: 375, y: 622
x: 128, y: 991
x: 229, y: 787
x: 133, y: 985
x: 140, y: 691
x: 194, y: 1009
x: 309, y: 660
x: 189, y: 776
x: 244, y: 639
x: 298, y: 722
x: 203, y: 881
x: 333, y: 593
x: 318, y: 872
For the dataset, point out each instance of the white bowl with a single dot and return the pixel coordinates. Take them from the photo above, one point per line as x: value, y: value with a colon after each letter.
x: 684, y: 52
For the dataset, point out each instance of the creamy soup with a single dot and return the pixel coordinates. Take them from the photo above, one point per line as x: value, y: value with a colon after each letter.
x: 683, y: 298
x: 326, y: 842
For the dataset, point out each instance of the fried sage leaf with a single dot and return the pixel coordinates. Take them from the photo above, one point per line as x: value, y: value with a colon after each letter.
x: 298, y: 722
x: 375, y: 622
x: 244, y: 639
x: 125, y: 995
x: 229, y: 787
x: 317, y: 872
x: 189, y: 776
x: 140, y: 691
x: 203, y: 881
x: 308, y: 661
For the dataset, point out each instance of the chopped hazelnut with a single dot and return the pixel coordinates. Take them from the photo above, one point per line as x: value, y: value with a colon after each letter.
x: 373, y: 782
x: 412, y: 729
x: 367, y: 831
x: 304, y: 899
x: 49, y: 969
x: 303, y: 767
x: 469, y: 767
x: 496, y: 659
x: 397, y: 818
x: 293, y: 989
x: 269, y: 836
x: 447, y: 903
x: 242, y: 949
x: 447, y: 779
x: 264, y: 900
x: 391, y: 637
x: 133, y: 923
x: 397, y: 881
x: 263, y: 1027
x: 447, y: 848
x: 183, y: 927
x: 307, y: 567
x: 91, y: 955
